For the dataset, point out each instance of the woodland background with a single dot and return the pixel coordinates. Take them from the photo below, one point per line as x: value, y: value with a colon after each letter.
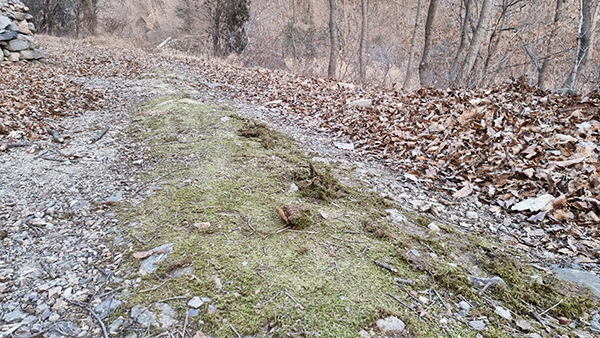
x: 390, y: 43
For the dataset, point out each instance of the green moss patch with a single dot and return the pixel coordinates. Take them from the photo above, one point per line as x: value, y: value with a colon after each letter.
x: 216, y: 184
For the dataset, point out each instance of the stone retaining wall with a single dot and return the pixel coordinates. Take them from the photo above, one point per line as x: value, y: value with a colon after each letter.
x: 17, y: 42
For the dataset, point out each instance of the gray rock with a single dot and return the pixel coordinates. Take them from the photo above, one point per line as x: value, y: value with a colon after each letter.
x: 167, y: 315
x: 148, y: 264
x: 502, y: 312
x: 364, y: 334
x: 193, y: 312
x: 478, y: 325
x: 195, y: 302
x: 14, y: 57
x: 362, y: 103
x: 6, y: 36
x: 391, y: 324
x: 14, y: 316
x: 17, y: 45
x: 143, y: 316
x: 32, y: 54
x: 533, y: 335
x: 472, y: 215
x: 465, y: 306
x: 107, y: 307
x: 4, y: 21
x: 6, y: 53
x: 116, y: 197
x: 580, y: 277
x: 114, y: 326
x: 524, y: 325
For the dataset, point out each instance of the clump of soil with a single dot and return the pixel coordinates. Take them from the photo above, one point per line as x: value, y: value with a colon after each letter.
x: 258, y: 130
x: 320, y: 184
x: 298, y: 215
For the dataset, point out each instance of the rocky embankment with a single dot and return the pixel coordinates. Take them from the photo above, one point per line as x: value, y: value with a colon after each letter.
x: 17, y: 42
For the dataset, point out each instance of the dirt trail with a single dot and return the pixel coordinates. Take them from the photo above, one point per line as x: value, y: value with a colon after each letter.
x: 169, y: 224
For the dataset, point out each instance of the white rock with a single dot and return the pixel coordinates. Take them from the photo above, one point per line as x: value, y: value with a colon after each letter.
x: 195, y: 302
x: 478, y: 325
x: 472, y: 215
x: 362, y: 103
x: 502, y: 312
x: 391, y: 325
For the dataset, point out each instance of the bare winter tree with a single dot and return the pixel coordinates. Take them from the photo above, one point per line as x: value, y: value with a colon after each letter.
x: 413, y: 46
x: 425, y: 64
x: 361, y: 44
x: 333, y: 36
x: 587, y: 23
x: 227, y: 25
x: 462, y: 78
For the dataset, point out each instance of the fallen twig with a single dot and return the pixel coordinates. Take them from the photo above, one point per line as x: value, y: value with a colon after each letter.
x: 404, y: 281
x: 250, y: 224
x: 292, y: 298
x: 55, y: 135
x: 99, y: 136
x: 234, y: 330
x: 401, y: 302
x: 385, y: 266
x: 89, y: 309
x: 552, y: 307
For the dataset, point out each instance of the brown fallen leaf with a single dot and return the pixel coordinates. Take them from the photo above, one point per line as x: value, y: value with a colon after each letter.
x: 464, y: 192
x: 283, y: 215
x: 142, y: 254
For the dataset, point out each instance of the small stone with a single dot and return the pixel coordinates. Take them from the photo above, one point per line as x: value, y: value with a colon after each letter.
x: 158, y: 254
x: 472, y: 215
x: 193, y: 312
x: 344, y: 146
x: 391, y: 324
x: 107, y: 307
x: 195, y: 302
x: 60, y: 304
x: 478, y: 325
x: 114, y: 326
x: 54, y: 292
x: 54, y: 317
x: 14, y: 57
x: 211, y: 309
x: 524, y: 325
x: 564, y: 320
x: 4, y: 21
x: 364, y: 334
x: 465, y: 306
x: 502, y: 312
x: 167, y: 315
x: 362, y: 103
x: 143, y: 316
x: 433, y: 227
x: 533, y: 335
x: 14, y: 316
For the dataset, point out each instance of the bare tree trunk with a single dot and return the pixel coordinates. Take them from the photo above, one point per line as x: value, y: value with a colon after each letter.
x: 462, y: 45
x: 92, y: 17
x: 292, y: 31
x: 361, y: 43
x: 587, y: 20
x: 424, y: 65
x: 541, y: 80
x: 334, y: 51
x: 482, y: 26
x: 413, y: 46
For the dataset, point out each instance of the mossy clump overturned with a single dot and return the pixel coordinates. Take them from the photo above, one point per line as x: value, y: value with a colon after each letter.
x: 320, y: 184
x: 252, y: 129
x: 298, y: 215
x: 532, y: 291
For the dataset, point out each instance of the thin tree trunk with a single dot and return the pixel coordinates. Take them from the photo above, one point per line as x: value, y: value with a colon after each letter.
x: 482, y: 26
x: 587, y: 20
x: 334, y: 51
x: 541, y: 80
x: 292, y: 31
x: 413, y: 46
x: 424, y: 65
x: 462, y: 45
x: 361, y: 43
x: 92, y: 17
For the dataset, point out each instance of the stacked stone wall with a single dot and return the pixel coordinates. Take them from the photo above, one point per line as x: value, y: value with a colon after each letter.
x: 17, y: 42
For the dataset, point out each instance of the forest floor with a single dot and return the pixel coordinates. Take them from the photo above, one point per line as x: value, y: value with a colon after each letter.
x: 156, y: 194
